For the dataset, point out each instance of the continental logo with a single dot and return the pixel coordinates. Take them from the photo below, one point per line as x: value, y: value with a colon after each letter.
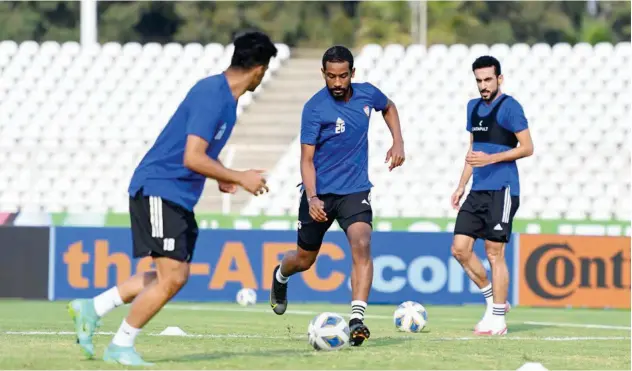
x: 575, y: 271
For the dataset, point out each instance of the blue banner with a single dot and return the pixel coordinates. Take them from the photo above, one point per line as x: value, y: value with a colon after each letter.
x: 407, y: 266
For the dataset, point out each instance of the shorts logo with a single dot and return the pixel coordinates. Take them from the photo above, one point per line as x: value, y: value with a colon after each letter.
x: 367, y: 110
x: 299, y: 225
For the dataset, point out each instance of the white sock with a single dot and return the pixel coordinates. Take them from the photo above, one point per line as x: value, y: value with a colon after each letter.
x: 498, y: 313
x: 281, y: 278
x: 107, y: 301
x: 125, y: 335
x: 357, y: 309
x: 488, y: 294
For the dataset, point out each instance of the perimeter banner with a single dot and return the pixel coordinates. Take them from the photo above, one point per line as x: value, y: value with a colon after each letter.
x: 578, y: 271
x: 407, y: 266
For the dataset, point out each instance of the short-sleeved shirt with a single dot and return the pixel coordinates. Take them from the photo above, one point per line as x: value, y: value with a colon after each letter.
x: 208, y: 111
x: 339, y: 130
x: 511, y: 117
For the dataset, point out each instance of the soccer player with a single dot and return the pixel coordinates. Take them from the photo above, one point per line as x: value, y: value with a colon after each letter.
x: 496, y: 123
x: 165, y: 188
x: 335, y: 181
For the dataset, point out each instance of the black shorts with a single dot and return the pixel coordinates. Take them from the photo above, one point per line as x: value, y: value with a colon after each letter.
x: 487, y: 215
x: 346, y: 209
x: 162, y: 228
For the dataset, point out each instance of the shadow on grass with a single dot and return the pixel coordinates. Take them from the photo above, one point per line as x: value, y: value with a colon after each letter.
x: 223, y: 354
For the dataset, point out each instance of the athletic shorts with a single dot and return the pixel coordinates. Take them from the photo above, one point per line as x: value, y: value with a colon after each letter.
x: 346, y: 209
x: 487, y: 215
x: 162, y: 228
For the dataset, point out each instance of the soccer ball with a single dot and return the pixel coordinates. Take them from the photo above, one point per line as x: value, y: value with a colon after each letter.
x: 410, y: 316
x: 246, y: 297
x: 328, y: 331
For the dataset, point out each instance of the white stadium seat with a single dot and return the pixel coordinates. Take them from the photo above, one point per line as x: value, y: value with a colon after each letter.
x: 74, y: 121
x: 74, y: 111
x: 580, y: 129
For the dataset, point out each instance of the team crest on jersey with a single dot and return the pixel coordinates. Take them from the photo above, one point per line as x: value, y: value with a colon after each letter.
x: 367, y: 110
x: 220, y: 132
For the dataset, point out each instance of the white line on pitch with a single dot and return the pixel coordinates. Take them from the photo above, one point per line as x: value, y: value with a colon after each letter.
x: 546, y: 338
x: 580, y: 325
x: 313, y: 313
x: 249, y: 336
x: 210, y: 336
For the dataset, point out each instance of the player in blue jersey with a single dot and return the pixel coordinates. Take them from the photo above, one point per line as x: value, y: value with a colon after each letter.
x: 336, y: 186
x: 497, y: 124
x: 163, y: 191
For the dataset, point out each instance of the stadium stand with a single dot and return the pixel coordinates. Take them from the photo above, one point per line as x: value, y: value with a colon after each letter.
x: 581, y: 166
x: 74, y: 122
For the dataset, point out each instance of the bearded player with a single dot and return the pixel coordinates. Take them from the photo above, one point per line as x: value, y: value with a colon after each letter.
x: 497, y: 124
x: 336, y: 186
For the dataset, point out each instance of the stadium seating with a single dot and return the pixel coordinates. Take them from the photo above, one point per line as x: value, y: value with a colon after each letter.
x: 576, y: 98
x: 74, y: 121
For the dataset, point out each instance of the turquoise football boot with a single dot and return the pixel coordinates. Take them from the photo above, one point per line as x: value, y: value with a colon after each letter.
x: 124, y: 355
x: 86, y: 322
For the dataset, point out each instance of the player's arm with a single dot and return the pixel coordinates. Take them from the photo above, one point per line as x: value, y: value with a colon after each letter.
x: 310, y: 130
x: 525, y: 149
x: 391, y: 116
x: 465, y: 178
x: 308, y: 171
x: 196, y: 159
x: 201, y: 126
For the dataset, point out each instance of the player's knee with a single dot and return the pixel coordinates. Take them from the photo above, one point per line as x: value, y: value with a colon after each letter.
x: 305, y: 260
x: 495, y: 254
x: 461, y: 253
x: 361, y: 248
x: 174, y: 281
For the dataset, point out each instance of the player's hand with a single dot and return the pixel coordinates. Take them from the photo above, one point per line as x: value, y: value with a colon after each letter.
x: 317, y: 209
x: 396, y: 155
x: 456, y: 198
x: 478, y: 159
x: 253, y: 182
x: 227, y: 187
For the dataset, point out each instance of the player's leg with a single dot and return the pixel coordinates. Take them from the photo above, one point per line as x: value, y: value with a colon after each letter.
x: 86, y: 313
x: 309, y: 239
x: 470, y: 225
x: 355, y: 217
x: 171, y: 241
x: 498, y: 232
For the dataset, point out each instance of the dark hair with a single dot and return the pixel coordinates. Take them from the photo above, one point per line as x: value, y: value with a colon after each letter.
x: 487, y: 61
x: 338, y: 54
x: 252, y: 49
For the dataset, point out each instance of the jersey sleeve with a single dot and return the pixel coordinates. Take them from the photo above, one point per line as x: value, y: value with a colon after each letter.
x: 470, y: 108
x: 203, y: 117
x: 380, y: 100
x: 310, y: 126
x: 513, y: 117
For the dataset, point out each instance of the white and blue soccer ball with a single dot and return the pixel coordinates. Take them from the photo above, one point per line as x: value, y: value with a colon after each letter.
x: 410, y: 316
x: 246, y: 297
x: 328, y: 331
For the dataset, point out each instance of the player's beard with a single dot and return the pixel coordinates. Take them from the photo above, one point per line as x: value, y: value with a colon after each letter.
x: 492, y: 95
x: 340, y: 95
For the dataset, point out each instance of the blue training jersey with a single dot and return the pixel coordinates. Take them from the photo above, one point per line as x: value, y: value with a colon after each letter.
x: 339, y: 130
x: 209, y: 111
x: 510, y: 116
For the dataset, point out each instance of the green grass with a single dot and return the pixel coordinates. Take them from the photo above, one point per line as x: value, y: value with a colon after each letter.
x: 255, y: 338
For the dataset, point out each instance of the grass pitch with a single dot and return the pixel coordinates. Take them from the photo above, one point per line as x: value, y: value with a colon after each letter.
x: 38, y: 335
